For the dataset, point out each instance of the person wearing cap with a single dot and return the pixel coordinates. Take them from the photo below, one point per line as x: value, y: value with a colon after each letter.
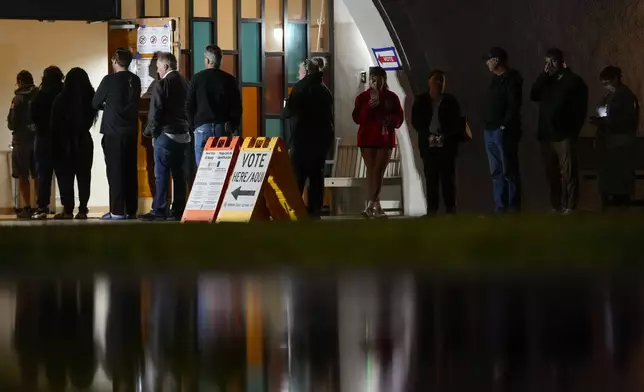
x: 503, y: 131
x: 563, y: 102
x: 616, y: 121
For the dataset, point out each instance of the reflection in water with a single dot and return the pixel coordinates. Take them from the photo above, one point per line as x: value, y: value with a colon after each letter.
x: 365, y: 332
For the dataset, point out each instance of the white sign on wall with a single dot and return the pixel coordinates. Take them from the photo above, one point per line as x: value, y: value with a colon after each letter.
x: 210, y: 180
x: 246, y: 181
x: 144, y: 69
x: 154, y: 39
x: 387, y: 58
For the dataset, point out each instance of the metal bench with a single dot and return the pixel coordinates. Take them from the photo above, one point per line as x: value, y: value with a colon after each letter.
x: 349, y: 171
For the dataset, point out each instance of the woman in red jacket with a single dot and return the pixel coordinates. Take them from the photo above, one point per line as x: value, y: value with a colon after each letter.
x: 379, y: 114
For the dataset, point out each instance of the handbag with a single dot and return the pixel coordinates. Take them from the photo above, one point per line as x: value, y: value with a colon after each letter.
x: 465, y: 133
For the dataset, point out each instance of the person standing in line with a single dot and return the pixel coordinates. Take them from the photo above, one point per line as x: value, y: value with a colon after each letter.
x: 118, y: 97
x: 72, y: 118
x: 378, y: 113
x: 503, y: 131
x: 23, y: 132
x: 310, y: 111
x: 563, y: 103
x: 168, y: 125
x: 51, y: 86
x: 436, y: 116
x: 213, y: 104
x: 617, y: 120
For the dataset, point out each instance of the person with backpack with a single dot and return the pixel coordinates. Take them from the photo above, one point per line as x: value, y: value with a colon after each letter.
x: 23, y: 130
x: 309, y: 109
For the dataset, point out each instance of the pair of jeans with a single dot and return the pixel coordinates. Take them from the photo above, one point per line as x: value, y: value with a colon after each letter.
x: 503, y: 157
x: 560, y: 161
x: 205, y: 132
x: 169, y: 158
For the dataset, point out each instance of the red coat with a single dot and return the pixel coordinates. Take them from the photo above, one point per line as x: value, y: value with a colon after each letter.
x: 370, y: 133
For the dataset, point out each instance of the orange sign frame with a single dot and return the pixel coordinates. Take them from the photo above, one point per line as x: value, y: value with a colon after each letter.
x: 211, y: 181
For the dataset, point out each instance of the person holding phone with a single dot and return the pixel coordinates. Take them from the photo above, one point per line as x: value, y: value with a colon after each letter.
x: 378, y: 113
x: 616, y: 121
x: 563, y: 102
x: 503, y: 131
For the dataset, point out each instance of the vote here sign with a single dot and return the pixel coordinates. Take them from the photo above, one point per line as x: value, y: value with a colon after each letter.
x: 246, y: 181
x: 387, y: 58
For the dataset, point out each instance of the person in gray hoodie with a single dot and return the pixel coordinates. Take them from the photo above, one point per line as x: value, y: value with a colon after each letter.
x: 23, y: 130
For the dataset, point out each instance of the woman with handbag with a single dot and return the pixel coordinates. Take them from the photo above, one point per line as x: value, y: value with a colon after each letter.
x: 436, y: 116
x: 378, y: 113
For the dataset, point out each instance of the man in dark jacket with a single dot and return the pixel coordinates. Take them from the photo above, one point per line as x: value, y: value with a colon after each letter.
x: 23, y: 131
x: 118, y: 97
x: 309, y: 109
x: 51, y: 86
x: 563, y: 102
x: 436, y: 117
x: 168, y: 125
x: 503, y: 131
x: 214, y: 103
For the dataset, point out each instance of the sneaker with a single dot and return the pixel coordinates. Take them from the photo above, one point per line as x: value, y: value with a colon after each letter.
x: 132, y: 217
x: 151, y: 217
x: 110, y: 216
x: 25, y: 213
x: 81, y: 216
x: 64, y: 216
x: 368, y: 212
x: 40, y: 215
x: 379, y: 213
x: 568, y: 211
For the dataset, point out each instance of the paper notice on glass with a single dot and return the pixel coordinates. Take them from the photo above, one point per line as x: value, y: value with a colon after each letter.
x: 145, y: 72
x: 154, y: 39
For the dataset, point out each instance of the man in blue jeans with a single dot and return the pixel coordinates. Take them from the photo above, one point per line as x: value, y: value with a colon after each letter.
x: 503, y: 131
x: 168, y: 125
x: 213, y: 104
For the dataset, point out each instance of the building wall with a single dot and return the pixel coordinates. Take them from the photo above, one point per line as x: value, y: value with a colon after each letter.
x: 452, y: 35
x: 33, y: 46
x: 362, y: 28
x: 262, y: 97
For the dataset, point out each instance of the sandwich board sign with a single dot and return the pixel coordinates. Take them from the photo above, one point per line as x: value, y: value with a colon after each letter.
x: 218, y: 159
x: 262, y: 185
x: 387, y: 58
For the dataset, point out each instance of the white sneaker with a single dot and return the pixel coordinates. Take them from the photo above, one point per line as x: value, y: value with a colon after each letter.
x: 378, y: 211
x: 369, y: 211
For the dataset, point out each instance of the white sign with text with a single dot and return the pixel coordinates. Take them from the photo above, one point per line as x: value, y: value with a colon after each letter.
x: 246, y: 181
x: 210, y: 180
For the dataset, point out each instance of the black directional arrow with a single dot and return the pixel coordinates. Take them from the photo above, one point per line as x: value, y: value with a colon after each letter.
x: 238, y: 192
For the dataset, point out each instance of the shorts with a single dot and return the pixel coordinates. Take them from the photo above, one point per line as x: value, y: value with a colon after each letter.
x: 23, y: 162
